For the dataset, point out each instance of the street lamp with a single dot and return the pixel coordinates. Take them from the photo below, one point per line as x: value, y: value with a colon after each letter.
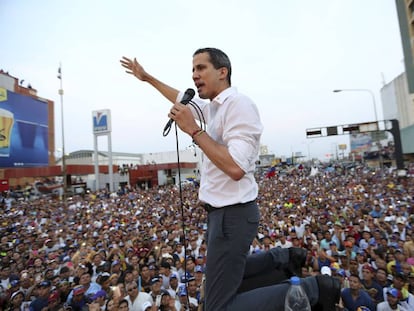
x: 64, y: 173
x: 361, y: 90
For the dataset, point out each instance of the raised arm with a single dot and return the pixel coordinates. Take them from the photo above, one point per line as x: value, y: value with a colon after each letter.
x: 134, y: 68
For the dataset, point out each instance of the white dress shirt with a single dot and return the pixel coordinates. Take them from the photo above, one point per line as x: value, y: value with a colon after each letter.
x: 232, y: 120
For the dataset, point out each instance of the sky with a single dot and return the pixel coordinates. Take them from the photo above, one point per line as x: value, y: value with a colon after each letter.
x: 288, y: 56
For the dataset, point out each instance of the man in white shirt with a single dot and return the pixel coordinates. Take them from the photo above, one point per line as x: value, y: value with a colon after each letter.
x: 283, y: 242
x: 136, y: 299
x: 391, y: 303
x: 228, y: 188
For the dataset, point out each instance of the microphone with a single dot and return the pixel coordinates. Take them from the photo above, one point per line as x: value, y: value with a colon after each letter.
x: 188, y: 96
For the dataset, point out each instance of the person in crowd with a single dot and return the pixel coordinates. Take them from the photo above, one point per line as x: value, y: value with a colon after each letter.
x: 16, y: 301
x: 97, y: 263
x: 283, y: 242
x: 123, y: 305
x: 134, y: 298
x: 399, y: 282
x: 43, y: 292
x: 89, y: 287
x: 391, y: 302
x: 111, y: 305
x: 165, y: 273
x: 145, y: 278
x: 55, y: 303
x: 355, y: 297
x: 192, y: 289
x: 156, y: 290
x: 187, y: 303
x: 100, y: 297
x: 381, y: 277
x: 78, y: 301
x: 370, y: 285
x: 168, y: 303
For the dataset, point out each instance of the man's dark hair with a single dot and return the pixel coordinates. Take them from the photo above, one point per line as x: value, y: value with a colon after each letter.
x: 64, y: 269
x: 218, y: 59
x: 355, y: 276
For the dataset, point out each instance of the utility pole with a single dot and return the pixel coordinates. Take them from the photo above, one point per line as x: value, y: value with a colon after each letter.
x: 64, y: 171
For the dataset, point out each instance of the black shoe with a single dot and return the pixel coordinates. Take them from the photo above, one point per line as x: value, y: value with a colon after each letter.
x: 329, y: 293
x: 297, y: 260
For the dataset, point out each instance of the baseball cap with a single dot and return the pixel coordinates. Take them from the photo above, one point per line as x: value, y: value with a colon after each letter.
x: 393, y: 292
x: 98, y: 294
x: 187, y: 278
x: 54, y: 296
x: 155, y: 280
x: 368, y: 267
x: 341, y: 272
x: 400, y: 220
x: 14, y: 283
x: 198, y: 268
x: 78, y: 290
x: 182, y: 291
x: 165, y: 292
x: 19, y: 292
x: 45, y: 283
x: 326, y: 270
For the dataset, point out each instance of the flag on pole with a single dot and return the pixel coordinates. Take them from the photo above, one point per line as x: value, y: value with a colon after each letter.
x: 59, y: 76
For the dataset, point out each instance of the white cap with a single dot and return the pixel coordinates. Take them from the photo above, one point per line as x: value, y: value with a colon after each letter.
x: 326, y: 270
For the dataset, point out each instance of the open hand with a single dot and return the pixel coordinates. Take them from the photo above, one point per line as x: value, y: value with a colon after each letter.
x: 134, y: 68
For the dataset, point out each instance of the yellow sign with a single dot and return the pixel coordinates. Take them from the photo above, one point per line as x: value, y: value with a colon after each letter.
x: 3, y: 94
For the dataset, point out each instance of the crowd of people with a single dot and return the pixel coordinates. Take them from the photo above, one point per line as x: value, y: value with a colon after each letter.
x: 145, y: 249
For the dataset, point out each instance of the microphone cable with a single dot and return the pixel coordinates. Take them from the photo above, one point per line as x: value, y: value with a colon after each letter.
x: 202, y: 123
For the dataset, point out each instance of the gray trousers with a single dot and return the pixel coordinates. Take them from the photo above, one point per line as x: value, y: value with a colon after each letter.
x: 230, y: 232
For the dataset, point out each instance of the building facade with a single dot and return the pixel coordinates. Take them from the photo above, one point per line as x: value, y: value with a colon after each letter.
x: 397, y: 103
x: 398, y: 95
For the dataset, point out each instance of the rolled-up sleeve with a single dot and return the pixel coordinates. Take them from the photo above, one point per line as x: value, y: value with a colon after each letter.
x: 242, y: 132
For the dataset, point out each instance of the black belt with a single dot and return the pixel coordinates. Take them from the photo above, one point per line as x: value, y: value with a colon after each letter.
x: 209, y: 208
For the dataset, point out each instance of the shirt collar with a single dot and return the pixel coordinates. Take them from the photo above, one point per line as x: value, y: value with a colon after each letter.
x: 221, y: 98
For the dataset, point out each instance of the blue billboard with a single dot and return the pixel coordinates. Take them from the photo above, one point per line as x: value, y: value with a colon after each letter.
x: 23, y: 131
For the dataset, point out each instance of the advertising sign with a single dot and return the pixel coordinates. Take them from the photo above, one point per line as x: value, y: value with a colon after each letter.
x: 360, y: 142
x: 101, y: 121
x: 23, y: 131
